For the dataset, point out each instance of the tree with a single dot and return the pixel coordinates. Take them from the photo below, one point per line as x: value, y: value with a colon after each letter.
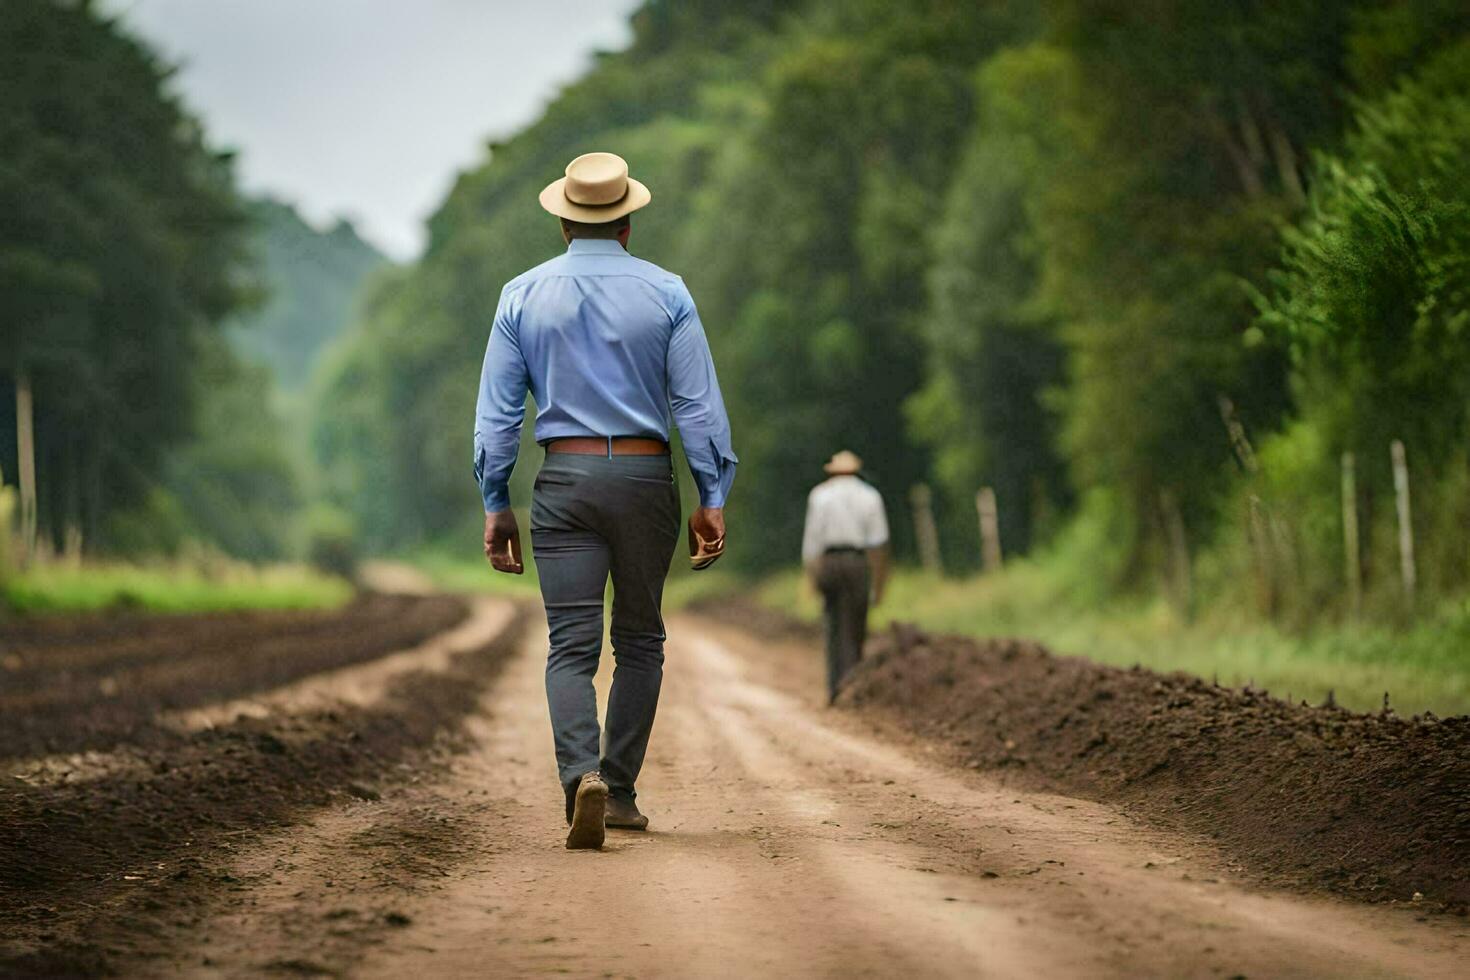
x: 1372, y: 298
x: 119, y: 244
x: 994, y: 358
x: 312, y: 281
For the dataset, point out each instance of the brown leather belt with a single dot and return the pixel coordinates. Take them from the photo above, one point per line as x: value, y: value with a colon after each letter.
x: 615, y: 446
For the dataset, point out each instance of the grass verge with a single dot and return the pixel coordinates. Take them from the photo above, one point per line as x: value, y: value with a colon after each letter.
x: 169, y: 588
x: 454, y: 571
x: 1422, y: 667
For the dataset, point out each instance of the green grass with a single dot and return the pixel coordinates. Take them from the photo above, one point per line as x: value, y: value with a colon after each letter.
x: 1426, y: 666
x: 170, y: 588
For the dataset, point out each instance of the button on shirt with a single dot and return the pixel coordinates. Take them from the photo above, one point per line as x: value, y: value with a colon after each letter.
x: 608, y: 345
x: 843, y: 512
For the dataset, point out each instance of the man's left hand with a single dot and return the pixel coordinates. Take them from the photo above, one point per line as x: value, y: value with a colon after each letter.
x: 706, y: 536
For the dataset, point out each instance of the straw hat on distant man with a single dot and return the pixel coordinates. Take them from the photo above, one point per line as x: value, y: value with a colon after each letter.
x: 843, y: 463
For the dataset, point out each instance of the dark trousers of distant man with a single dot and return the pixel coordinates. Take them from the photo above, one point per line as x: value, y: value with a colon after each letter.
x: 842, y: 578
x: 593, y: 517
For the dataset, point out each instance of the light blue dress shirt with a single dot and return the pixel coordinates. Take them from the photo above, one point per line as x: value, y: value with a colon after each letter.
x: 607, y: 344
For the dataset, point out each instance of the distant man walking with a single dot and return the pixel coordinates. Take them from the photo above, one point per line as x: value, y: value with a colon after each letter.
x: 845, y: 551
x: 612, y: 350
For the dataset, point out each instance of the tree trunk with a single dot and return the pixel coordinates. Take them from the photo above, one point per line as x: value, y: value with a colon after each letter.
x: 25, y: 437
x: 1245, y: 170
x: 71, y: 531
x: 1291, y: 180
x: 92, y: 487
x: 1407, y: 570
x: 1238, y: 440
x: 1353, y: 559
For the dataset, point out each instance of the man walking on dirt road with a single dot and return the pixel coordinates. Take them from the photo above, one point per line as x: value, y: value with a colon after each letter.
x: 612, y: 350
x: 844, y: 549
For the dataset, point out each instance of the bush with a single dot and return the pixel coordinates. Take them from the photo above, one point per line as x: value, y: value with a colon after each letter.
x: 331, y: 541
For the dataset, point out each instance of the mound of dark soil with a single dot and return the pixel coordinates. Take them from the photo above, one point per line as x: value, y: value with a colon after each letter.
x: 70, y: 683
x: 89, y: 869
x: 1375, y: 806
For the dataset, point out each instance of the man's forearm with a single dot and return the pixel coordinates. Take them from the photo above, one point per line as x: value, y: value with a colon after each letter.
x: 713, y: 474
x: 496, y: 496
x: 495, y: 458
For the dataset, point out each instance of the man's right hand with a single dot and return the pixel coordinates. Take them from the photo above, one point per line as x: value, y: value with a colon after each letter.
x: 503, y: 542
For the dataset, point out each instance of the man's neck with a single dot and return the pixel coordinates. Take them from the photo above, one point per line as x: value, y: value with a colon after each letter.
x: 596, y: 246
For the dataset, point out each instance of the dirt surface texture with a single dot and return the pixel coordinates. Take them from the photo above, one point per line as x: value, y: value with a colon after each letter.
x: 1375, y: 806
x: 399, y: 815
x: 71, y: 683
x: 100, y: 847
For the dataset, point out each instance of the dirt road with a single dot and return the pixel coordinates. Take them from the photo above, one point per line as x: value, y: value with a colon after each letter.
x: 787, y: 840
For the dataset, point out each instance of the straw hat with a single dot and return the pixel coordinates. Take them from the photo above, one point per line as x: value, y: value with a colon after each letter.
x: 597, y: 188
x: 843, y: 463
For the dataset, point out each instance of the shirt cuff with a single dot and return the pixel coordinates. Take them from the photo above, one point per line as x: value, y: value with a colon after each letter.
x: 497, y: 497
x: 715, y: 488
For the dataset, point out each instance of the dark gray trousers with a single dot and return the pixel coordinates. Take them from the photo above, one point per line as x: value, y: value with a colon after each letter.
x: 842, y: 578
x: 593, y: 517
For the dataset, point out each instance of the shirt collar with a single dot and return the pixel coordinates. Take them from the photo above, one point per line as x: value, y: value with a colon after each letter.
x: 595, y: 246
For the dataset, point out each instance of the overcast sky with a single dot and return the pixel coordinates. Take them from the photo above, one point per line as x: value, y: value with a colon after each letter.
x: 368, y: 108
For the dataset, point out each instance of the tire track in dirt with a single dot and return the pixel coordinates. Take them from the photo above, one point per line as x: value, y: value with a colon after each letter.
x: 786, y: 841
x: 1146, y: 899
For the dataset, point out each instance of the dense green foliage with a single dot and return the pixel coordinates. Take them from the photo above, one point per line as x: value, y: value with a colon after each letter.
x: 1136, y: 263
x: 1373, y: 302
x: 1147, y: 269
x: 311, y: 279
x: 156, y: 316
x: 245, y: 478
x: 119, y: 247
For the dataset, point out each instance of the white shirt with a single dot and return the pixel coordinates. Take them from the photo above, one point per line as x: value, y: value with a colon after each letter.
x: 843, y: 512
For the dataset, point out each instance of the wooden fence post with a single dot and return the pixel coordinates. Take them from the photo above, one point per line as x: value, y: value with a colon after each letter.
x: 25, y: 440
x: 926, y: 533
x: 1353, y: 557
x: 1406, y: 527
x: 985, y: 506
x: 1180, y: 577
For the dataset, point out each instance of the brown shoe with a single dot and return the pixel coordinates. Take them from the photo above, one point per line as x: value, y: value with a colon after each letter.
x: 588, y: 812
x: 623, y: 815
